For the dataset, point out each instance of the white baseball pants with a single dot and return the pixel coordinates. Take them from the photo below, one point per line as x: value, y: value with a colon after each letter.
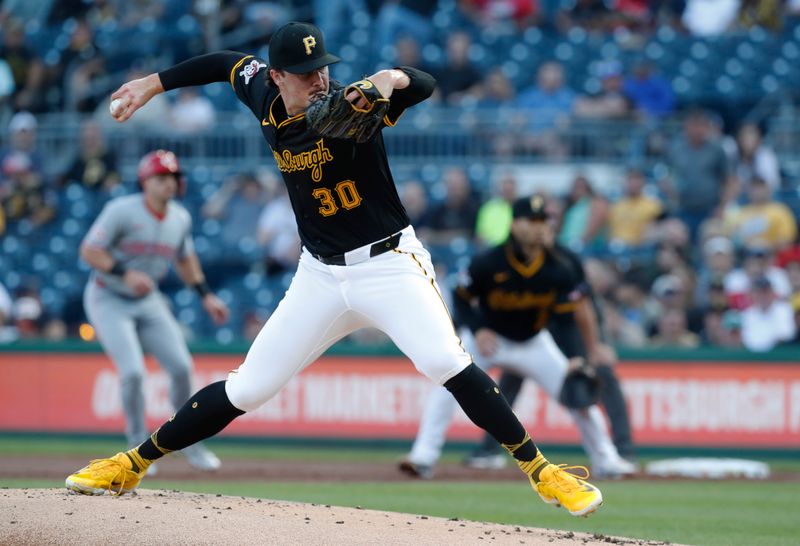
x: 395, y: 292
x: 538, y: 358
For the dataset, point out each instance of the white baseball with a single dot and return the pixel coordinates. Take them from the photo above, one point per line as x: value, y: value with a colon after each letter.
x: 115, y: 107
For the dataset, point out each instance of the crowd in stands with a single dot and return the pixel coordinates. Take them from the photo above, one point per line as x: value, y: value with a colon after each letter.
x: 699, y: 251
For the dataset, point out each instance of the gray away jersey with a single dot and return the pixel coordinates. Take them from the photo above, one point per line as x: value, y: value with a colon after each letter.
x: 138, y: 239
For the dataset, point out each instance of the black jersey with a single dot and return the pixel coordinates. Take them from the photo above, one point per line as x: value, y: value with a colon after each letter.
x: 562, y: 326
x: 515, y: 299
x: 342, y: 193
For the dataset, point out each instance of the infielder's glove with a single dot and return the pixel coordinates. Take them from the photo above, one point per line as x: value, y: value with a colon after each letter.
x: 581, y: 387
x: 336, y: 117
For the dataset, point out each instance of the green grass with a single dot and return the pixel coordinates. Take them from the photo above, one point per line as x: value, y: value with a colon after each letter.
x: 703, y: 513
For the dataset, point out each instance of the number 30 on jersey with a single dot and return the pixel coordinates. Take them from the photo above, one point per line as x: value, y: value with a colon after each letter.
x: 346, y: 197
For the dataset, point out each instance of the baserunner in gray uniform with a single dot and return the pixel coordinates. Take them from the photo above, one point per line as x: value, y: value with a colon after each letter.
x: 130, y: 247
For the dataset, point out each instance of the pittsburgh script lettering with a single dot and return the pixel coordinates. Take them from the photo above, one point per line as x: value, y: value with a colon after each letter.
x: 514, y: 301
x: 312, y: 159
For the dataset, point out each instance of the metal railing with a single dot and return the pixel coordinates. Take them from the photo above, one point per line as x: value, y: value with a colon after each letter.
x: 435, y: 136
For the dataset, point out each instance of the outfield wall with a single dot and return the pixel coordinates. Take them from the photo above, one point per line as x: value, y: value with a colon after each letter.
x: 720, y: 400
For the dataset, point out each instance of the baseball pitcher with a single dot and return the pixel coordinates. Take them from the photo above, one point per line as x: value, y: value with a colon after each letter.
x: 361, y: 264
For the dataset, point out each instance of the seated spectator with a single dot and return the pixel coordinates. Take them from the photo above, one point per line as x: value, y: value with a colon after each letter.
x: 403, y: 18
x: 769, y: 321
x: 28, y: 312
x: 27, y: 68
x: 757, y: 263
x: 752, y: 159
x: 238, y: 203
x: 82, y: 70
x: 23, y: 139
x: 672, y: 257
x: 455, y: 216
x: 763, y: 222
x: 494, y: 217
x: 673, y: 232
x: 407, y: 53
x: 633, y: 218
x: 718, y: 328
x: 671, y: 293
x: 415, y: 201
x: 94, y: 166
x: 618, y: 329
x: 277, y: 230
x: 672, y: 332
x: 23, y: 195
x: 718, y: 261
x: 496, y: 90
x: 546, y: 108
x: 192, y: 112
x: 630, y: 301
x: 459, y: 77
x: 584, y: 224
x: 651, y: 94
x: 602, y: 277
x: 498, y: 120
x: 610, y: 102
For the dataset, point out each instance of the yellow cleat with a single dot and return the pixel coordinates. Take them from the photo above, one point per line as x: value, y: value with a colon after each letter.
x: 114, y: 476
x: 559, y: 487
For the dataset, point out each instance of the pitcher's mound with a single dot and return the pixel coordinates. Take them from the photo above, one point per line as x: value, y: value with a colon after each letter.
x: 53, y: 516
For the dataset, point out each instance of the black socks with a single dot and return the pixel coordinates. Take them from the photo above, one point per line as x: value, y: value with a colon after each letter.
x: 481, y: 400
x: 202, y: 416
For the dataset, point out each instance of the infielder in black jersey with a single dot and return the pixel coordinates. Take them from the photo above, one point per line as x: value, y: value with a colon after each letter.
x: 573, y: 332
x: 567, y: 332
x: 361, y: 264
x: 505, y: 301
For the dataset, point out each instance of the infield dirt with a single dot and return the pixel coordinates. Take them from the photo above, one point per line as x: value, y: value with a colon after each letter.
x: 55, y: 517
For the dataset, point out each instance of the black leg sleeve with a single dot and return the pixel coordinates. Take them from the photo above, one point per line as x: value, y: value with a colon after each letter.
x: 614, y: 403
x: 510, y: 384
x: 480, y: 398
x: 202, y: 416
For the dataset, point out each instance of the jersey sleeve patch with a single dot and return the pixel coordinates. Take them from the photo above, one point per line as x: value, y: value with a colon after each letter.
x: 251, y: 69
x: 236, y: 68
x: 248, y: 79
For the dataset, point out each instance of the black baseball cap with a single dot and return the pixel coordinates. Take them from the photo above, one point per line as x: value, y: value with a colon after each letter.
x: 532, y: 208
x: 299, y: 48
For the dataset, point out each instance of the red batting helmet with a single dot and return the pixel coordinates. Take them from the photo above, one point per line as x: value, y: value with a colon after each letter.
x: 161, y: 162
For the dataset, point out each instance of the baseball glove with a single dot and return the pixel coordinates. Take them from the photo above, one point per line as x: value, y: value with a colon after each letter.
x: 336, y: 117
x: 581, y: 388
